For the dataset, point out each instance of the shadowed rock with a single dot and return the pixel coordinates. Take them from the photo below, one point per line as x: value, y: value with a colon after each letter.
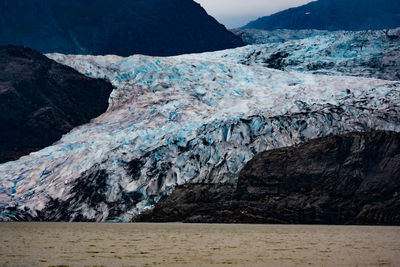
x: 348, y: 179
x: 40, y: 100
x: 119, y: 27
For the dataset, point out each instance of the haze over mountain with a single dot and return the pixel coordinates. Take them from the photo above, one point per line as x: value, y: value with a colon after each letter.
x: 241, y: 12
x: 121, y: 27
x: 335, y: 15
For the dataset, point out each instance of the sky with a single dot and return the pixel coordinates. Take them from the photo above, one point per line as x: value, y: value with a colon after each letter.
x: 236, y: 13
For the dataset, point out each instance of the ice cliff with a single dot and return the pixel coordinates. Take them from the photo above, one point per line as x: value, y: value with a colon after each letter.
x: 197, y: 118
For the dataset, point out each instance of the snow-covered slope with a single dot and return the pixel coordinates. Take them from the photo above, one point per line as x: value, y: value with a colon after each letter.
x: 179, y: 119
x: 367, y: 53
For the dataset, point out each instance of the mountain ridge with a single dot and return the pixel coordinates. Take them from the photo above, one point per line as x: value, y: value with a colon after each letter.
x: 120, y: 27
x: 334, y: 15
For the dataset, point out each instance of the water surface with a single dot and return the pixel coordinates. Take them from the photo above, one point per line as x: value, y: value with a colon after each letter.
x: 80, y: 244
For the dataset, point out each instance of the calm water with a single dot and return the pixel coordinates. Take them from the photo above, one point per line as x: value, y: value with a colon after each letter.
x: 62, y: 244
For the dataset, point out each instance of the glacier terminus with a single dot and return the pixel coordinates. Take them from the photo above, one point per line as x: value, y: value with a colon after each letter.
x: 196, y: 118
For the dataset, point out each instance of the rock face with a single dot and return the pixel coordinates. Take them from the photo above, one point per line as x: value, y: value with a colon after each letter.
x: 119, y: 27
x: 347, y: 179
x: 40, y: 100
x: 354, y: 15
x: 197, y: 203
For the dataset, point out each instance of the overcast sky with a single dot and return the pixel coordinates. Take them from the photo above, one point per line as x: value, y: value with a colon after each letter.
x: 235, y: 13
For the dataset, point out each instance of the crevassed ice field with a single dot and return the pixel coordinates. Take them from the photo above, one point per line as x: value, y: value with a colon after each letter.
x: 200, y: 118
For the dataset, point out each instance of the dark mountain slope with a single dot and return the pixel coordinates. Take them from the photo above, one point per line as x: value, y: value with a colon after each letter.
x: 121, y: 27
x: 40, y: 100
x: 335, y: 15
x: 348, y: 179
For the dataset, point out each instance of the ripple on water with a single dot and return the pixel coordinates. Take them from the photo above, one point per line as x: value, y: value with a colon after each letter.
x: 179, y: 244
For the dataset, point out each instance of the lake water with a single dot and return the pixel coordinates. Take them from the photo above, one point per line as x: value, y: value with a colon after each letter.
x: 80, y: 244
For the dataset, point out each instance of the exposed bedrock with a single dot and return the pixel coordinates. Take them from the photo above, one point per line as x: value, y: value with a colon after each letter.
x: 345, y: 179
x: 40, y: 100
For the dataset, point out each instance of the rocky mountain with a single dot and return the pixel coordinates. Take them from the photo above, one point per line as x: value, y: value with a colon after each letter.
x: 40, y: 100
x: 185, y: 119
x: 332, y: 15
x: 345, y: 179
x: 119, y: 27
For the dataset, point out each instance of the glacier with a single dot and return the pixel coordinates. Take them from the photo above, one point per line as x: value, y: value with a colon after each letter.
x: 374, y: 54
x: 190, y: 118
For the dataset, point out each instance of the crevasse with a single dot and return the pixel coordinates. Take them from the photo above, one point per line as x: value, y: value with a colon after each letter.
x: 182, y: 119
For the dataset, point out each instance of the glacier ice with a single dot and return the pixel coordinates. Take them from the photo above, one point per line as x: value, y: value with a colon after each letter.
x: 173, y: 120
x: 373, y: 54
